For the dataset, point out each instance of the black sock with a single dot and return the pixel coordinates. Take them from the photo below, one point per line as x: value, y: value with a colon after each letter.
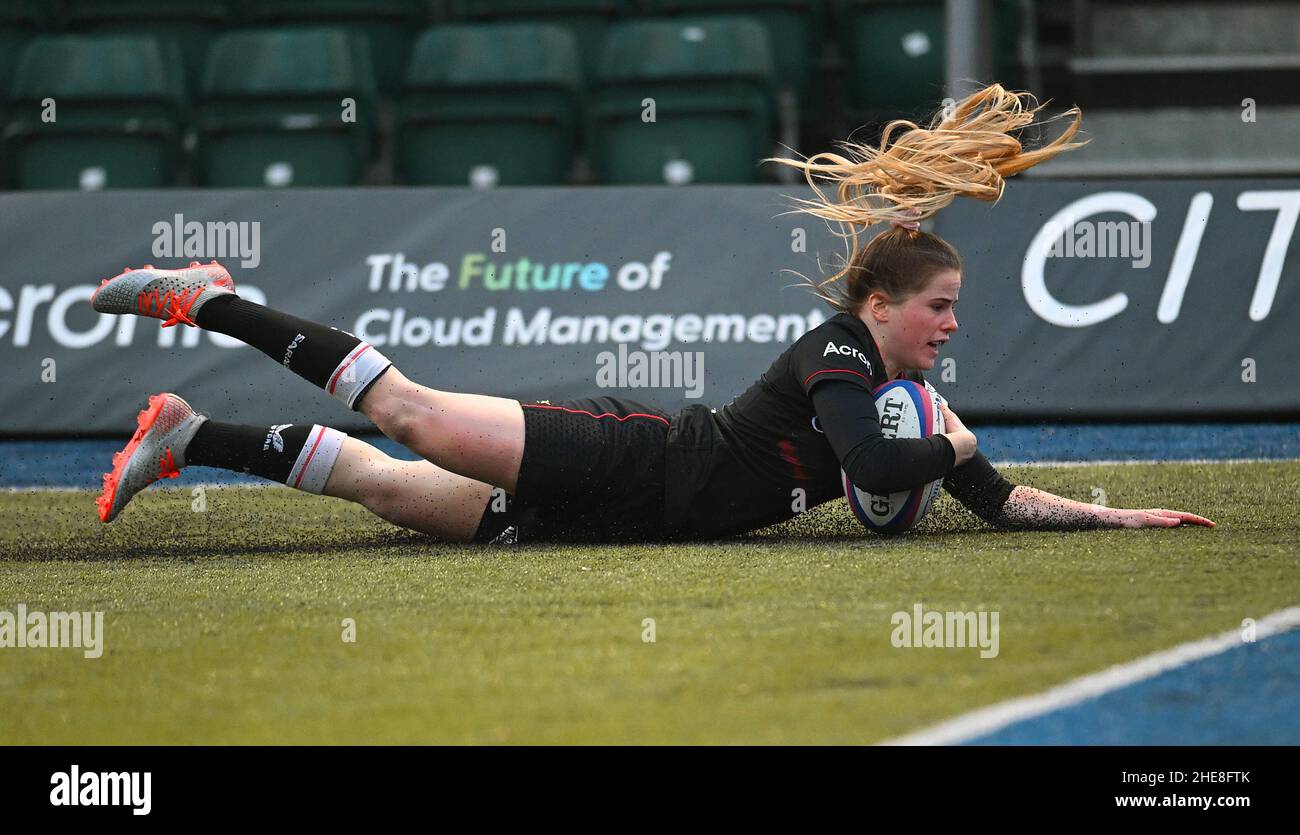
x: 266, y: 451
x: 309, y: 350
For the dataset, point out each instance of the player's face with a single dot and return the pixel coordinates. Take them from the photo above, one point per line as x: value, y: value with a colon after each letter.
x: 922, y: 324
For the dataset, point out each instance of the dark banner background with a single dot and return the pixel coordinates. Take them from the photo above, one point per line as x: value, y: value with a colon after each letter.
x: 727, y: 250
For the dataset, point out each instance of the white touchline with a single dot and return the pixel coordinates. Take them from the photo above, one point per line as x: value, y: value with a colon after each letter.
x: 990, y: 719
x: 1128, y: 461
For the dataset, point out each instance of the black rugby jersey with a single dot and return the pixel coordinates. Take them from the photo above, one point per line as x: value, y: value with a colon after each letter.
x: 741, y: 467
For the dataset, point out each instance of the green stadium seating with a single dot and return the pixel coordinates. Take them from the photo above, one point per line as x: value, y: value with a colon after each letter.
x: 20, y: 21
x: 895, y: 49
x: 711, y: 84
x: 273, y: 109
x: 190, y: 24
x: 490, y: 104
x: 588, y: 20
x: 794, y: 28
x: 118, y: 104
x: 388, y: 27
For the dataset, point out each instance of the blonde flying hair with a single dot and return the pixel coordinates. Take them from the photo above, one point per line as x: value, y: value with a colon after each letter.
x: 967, y: 151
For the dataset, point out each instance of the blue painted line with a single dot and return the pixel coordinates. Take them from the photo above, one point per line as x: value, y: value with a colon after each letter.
x: 1147, y: 441
x: 80, y: 463
x: 1249, y: 695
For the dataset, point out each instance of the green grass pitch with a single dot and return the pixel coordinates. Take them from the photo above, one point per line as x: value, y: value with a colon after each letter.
x: 226, y: 626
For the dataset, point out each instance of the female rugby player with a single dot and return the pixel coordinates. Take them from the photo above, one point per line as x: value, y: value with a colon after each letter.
x: 610, y: 470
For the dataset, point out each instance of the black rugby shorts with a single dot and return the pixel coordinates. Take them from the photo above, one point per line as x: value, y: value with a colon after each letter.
x: 592, y: 471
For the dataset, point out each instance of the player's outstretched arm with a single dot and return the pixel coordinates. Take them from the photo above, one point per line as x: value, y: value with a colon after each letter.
x: 1031, y: 509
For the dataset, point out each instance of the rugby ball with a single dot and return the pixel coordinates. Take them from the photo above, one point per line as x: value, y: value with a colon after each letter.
x: 907, y: 410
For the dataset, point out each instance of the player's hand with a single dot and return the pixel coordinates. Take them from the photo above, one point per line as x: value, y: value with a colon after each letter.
x: 1151, y: 518
x: 962, y: 439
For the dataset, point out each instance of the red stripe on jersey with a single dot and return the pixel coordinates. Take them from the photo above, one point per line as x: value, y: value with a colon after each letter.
x: 791, y: 456
x: 592, y: 415
x: 836, y: 371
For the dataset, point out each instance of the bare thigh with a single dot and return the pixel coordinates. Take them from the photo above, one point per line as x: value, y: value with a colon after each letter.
x: 414, y: 494
x: 472, y: 435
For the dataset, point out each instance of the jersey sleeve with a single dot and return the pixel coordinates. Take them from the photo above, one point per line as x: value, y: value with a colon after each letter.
x: 830, y: 354
x: 981, y: 488
x: 874, y: 463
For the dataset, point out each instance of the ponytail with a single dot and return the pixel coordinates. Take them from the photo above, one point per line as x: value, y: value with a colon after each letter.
x: 917, y: 171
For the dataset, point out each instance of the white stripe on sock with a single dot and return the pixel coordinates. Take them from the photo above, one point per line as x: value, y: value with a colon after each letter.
x: 357, y: 371
x: 316, y: 460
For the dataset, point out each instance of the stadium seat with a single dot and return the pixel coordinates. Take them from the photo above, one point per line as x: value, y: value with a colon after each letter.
x: 388, y: 27
x: 490, y: 104
x: 190, y: 24
x: 275, y: 109
x: 20, y: 21
x: 709, y: 82
x: 894, y: 52
x: 1173, y: 141
x: 95, y: 112
x: 794, y: 28
x: 587, y: 20
x: 1185, y: 54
